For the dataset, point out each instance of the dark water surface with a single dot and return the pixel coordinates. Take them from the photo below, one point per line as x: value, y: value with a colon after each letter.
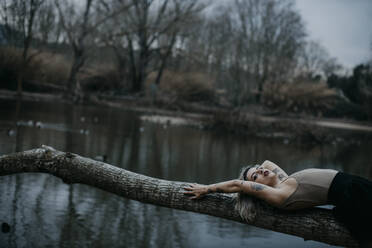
x: 42, y: 211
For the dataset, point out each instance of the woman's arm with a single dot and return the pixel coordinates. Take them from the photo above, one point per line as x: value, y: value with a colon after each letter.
x: 269, y: 194
x: 275, y: 168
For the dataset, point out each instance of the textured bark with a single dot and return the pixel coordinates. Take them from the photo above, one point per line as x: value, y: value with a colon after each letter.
x: 311, y: 224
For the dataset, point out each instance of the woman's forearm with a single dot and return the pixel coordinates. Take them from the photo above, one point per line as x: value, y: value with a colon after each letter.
x: 269, y: 194
x: 231, y: 186
x: 196, y: 191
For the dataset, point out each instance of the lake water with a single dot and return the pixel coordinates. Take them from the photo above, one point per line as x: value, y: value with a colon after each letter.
x: 42, y: 211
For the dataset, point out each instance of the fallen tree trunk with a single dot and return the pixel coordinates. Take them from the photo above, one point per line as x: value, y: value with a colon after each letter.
x: 311, y: 224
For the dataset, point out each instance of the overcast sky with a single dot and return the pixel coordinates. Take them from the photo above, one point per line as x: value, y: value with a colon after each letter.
x: 343, y: 27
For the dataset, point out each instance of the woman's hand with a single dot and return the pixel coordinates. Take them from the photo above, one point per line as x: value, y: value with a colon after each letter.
x: 197, y: 191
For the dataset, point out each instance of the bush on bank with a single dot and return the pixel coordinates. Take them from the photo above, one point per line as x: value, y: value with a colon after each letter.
x: 311, y: 99
x: 51, y: 69
x: 185, y: 86
x: 42, y: 68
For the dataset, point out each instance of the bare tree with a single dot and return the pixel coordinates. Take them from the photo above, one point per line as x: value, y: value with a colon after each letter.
x: 189, y: 52
x: 146, y: 34
x: 79, y: 24
x: 19, y: 18
x: 76, y: 25
x: 315, y: 60
x: 249, y: 43
x: 48, y: 30
x: 272, y: 33
x: 330, y: 67
x: 312, y: 59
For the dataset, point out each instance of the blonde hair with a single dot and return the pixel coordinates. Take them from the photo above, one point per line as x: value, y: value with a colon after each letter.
x: 244, y: 203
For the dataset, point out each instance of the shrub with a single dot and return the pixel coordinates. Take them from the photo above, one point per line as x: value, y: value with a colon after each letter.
x: 43, y: 68
x: 100, y: 80
x: 55, y: 68
x: 301, y: 97
x: 186, y: 86
x: 10, y: 65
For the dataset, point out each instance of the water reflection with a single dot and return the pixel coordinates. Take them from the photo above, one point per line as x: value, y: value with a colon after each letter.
x: 43, y: 211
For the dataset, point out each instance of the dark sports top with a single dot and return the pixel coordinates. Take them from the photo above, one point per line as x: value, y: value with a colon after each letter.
x: 312, y: 188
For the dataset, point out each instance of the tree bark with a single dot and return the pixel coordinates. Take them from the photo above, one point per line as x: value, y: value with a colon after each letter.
x: 311, y: 224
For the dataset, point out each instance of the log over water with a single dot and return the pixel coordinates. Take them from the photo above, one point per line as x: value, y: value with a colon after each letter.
x: 311, y: 224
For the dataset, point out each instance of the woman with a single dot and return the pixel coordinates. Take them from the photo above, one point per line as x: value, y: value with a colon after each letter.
x: 351, y: 195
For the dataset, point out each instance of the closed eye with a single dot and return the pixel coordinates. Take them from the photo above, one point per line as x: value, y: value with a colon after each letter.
x: 255, y: 177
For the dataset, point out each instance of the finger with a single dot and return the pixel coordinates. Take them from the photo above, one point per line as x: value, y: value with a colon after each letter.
x: 188, y: 193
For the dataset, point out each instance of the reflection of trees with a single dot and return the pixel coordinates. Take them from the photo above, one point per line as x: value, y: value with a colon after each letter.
x: 112, y: 221
x: 154, y: 156
x: 69, y: 122
x: 134, y: 147
x: 18, y: 137
x: 68, y: 234
x: 115, y: 138
x: 13, y: 232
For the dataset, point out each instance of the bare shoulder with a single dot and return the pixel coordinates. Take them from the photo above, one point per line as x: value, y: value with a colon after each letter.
x: 288, y: 186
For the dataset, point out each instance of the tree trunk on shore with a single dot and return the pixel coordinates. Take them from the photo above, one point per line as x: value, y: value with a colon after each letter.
x: 311, y: 224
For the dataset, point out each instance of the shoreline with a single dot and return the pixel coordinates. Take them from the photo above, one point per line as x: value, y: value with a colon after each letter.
x: 292, y: 129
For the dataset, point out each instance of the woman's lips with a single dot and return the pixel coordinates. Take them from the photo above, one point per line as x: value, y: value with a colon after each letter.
x: 266, y: 173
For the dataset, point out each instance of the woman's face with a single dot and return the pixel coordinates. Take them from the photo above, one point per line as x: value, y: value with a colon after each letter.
x: 260, y: 175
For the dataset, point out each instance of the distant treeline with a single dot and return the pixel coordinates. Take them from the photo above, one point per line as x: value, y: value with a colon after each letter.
x: 245, y: 51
